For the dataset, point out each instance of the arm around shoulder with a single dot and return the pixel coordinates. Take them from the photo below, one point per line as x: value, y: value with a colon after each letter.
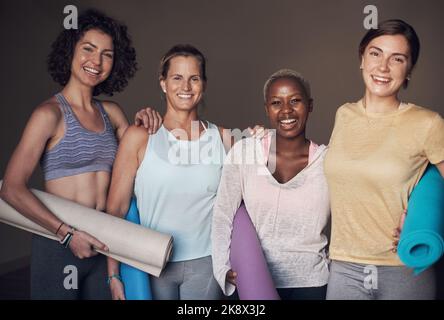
x: 227, y: 138
x: 117, y: 117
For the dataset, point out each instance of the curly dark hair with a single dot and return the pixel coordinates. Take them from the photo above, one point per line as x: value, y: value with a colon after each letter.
x: 124, y: 64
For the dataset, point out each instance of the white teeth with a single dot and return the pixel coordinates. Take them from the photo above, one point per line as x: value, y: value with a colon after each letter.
x: 91, y: 70
x: 184, y: 96
x: 381, y: 79
x: 288, y: 121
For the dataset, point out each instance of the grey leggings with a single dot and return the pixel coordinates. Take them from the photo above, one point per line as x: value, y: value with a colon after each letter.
x: 353, y: 281
x: 56, y: 273
x: 186, y: 280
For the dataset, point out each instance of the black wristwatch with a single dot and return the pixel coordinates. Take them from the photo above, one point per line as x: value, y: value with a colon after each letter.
x: 68, y: 237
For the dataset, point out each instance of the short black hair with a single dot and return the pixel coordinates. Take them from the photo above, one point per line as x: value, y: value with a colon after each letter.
x: 124, y: 64
x: 394, y: 27
x: 288, y: 74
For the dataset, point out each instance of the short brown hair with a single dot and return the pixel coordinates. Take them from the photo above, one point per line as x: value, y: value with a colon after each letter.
x: 182, y: 50
x: 394, y: 27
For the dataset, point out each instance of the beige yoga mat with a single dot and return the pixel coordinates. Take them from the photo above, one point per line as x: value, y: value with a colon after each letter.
x: 138, y: 246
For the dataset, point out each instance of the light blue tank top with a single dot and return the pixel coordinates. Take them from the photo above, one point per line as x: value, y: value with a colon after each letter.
x: 176, y: 186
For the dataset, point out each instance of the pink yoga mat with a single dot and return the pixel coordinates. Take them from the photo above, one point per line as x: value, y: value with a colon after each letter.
x: 253, y: 280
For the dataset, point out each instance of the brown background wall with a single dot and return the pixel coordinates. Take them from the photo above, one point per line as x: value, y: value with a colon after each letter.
x: 244, y: 41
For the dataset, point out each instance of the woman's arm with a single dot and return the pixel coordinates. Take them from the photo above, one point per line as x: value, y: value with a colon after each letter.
x: 397, y: 231
x: 148, y: 117
x: 229, y: 140
x: 40, y: 128
x: 434, y: 143
x: 128, y: 158
x: 440, y: 167
x: 117, y: 117
x: 229, y: 196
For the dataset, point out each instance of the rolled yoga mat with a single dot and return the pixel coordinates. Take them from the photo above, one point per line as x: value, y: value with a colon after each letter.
x: 136, y: 282
x: 254, y: 281
x: 140, y: 247
x: 421, y: 243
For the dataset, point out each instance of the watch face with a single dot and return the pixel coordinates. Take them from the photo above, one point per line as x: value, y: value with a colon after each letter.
x: 65, y: 241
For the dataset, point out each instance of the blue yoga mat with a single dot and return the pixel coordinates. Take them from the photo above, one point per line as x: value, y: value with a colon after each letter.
x: 136, y: 282
x: 421, y: 243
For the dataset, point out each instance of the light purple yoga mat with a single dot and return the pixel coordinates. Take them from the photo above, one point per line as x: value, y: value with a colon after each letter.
x: 253, y: 280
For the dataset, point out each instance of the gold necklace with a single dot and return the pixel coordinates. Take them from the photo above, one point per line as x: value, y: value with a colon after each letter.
x: 365, y: 112
x: 369, y: 122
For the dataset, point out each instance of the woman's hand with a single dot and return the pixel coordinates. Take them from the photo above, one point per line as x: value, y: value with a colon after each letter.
x: 83, y: 244
x: 117, y: 289
x: 258, y: 131
x: 149, y: 118
x: 397, y: 231
x: 231, y: 277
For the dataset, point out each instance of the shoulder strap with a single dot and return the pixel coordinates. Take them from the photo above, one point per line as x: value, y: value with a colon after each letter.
x: 63, y: 103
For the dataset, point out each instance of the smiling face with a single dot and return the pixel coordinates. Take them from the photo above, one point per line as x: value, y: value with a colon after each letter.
x: 93, y: 58
x: 385, y: 65
x: 287, y: 107
x: 183, y: 85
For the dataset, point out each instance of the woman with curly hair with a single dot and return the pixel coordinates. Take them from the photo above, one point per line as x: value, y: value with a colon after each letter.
x: 75, y: 137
